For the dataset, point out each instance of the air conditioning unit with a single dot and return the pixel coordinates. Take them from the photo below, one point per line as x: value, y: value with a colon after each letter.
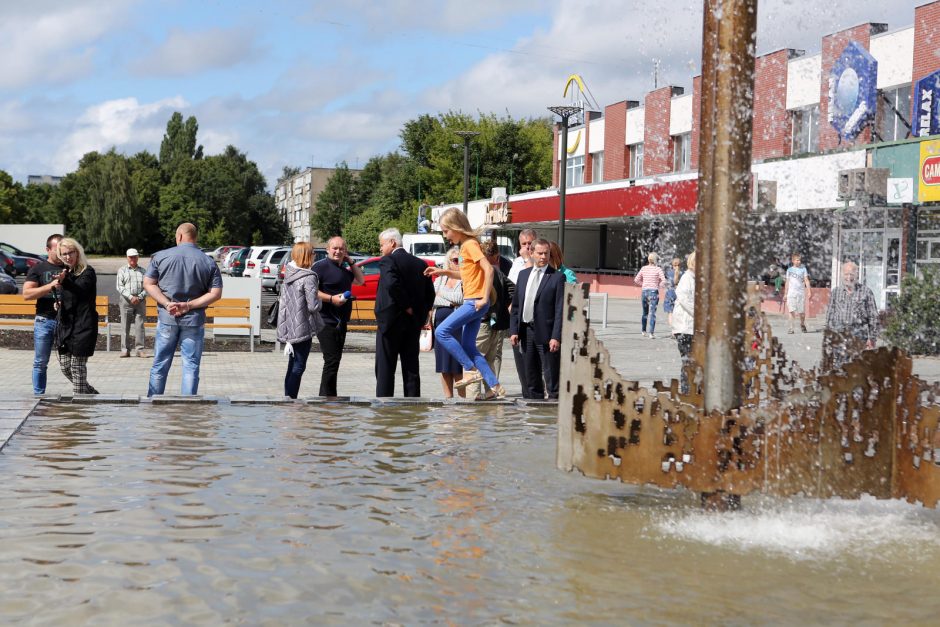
x: 864, y: 183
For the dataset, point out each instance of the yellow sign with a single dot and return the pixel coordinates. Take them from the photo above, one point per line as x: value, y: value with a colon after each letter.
x: 929, y: 172
x: 574, y: 78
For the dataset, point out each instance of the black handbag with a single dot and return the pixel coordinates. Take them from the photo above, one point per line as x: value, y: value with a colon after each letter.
x: 272, y: 312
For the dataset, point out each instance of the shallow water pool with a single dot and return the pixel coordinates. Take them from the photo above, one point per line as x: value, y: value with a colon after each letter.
x: 182, y: 514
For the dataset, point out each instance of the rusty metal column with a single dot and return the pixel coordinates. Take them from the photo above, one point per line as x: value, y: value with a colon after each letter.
x: 727, y: 192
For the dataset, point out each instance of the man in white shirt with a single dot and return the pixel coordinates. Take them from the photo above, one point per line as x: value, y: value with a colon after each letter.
x: 132, y: 303
x: 795, y: 291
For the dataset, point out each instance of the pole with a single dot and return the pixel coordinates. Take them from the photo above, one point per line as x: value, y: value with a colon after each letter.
x: 476, y: 189
x: 563, y: 175
x: 466, y: 173
x: 728, y: 193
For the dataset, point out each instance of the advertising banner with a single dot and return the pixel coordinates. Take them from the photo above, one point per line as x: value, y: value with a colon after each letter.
x: 853, y: 91
x: 926, y: 106
x: 929, y: 173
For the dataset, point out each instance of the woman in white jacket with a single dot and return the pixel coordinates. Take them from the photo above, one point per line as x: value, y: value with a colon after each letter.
x: 683, y: 318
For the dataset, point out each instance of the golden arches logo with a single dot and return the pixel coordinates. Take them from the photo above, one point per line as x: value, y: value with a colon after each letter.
x: 574, y: 78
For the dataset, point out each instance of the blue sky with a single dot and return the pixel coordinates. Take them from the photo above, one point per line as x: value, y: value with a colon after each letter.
x: 314, y: 83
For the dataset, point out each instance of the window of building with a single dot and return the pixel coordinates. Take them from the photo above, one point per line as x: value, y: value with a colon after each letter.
x: 894, y: 111
x: 574, y: 174
x: 805, y: 128
x: 682, y: 152
x: 636, y: 161
x: 597, y: 167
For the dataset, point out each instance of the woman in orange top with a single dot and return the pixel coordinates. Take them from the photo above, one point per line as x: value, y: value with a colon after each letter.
x: 476, y: 274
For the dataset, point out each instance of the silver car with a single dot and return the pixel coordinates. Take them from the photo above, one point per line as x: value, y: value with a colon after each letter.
x: 270, y: 263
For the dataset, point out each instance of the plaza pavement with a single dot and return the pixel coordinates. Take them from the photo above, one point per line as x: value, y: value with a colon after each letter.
x: 261, y: 374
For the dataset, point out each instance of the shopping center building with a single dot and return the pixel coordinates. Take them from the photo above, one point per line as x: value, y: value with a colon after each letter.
x: 864, y: 112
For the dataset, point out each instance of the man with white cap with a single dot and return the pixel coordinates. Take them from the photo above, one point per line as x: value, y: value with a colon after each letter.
x: 132, y: 301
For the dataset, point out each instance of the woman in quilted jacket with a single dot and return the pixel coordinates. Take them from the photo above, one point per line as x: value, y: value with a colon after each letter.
x: 298, y: 317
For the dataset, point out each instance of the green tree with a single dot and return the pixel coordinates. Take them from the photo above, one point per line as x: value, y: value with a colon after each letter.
x: 289, y: 171
x: 12, y: 207
x: 912, y: 324
x: 111, y: 221
x: 335, y: 204
x: 179, y: 144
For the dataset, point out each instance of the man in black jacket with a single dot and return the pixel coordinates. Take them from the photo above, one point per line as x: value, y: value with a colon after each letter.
x: 403, y: 299
x: 535, y: 323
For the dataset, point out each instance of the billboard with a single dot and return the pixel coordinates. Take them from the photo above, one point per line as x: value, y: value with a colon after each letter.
x: 926, y: 106
x: 853, y: 91
x: 929, y: 172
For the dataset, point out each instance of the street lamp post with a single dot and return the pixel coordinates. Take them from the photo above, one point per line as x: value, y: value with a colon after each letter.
x: 565, y: 112
x: 466, y: 136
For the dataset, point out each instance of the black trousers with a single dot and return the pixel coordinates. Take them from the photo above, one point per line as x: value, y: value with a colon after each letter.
x: 540, y: 364
x: 400, y: 341
x: 332, y: 341
x: 518, y: 356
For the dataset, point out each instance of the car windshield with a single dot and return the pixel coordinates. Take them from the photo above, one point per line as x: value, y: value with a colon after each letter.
x: 428, y: 248
x: 370, y: 268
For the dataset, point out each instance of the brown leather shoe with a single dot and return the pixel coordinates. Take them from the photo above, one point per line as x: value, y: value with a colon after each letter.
x: 125, y: 354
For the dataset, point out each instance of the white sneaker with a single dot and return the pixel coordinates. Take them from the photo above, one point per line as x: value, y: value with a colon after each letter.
x: 645, y: 334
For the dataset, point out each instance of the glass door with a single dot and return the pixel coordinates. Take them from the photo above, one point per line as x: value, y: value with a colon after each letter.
x: 878, y: 255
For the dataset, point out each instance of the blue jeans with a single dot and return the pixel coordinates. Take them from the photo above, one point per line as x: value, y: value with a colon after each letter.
x: 190, y: 340
x: 296, y: 366
x: 650, y: 301
x: 43, y: 338
x: 467, y: 318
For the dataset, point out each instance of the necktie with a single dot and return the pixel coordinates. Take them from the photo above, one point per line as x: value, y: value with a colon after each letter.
x: 528, y: 307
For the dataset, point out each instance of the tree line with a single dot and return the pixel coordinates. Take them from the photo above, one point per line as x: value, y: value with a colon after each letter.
x: 428, y: 168
x: 113, y: 202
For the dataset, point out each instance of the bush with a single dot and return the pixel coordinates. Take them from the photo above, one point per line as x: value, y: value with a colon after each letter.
x: 914, y: 322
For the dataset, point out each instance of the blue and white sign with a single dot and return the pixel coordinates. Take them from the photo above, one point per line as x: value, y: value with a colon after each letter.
x: 853, y: 91
x: 927, y: 106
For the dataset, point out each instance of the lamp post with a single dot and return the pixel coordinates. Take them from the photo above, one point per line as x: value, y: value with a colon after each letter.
x: 466, y: 136
x: 512, y: 166
x: 565, y: 112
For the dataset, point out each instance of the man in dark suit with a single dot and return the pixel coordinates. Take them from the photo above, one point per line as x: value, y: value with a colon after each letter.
x: 402, y: 302
x: 535, y: 323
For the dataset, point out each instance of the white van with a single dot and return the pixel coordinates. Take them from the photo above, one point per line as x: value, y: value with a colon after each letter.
x: 426, y: 246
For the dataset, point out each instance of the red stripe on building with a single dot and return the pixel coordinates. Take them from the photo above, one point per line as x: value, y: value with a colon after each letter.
x: 659, y: 199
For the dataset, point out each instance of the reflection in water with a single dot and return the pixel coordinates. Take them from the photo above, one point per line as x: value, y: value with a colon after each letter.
x: 341, y: 514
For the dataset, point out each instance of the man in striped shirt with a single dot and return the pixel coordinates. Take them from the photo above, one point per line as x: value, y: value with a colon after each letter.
x: 132, y: 303
x: 851, y: 322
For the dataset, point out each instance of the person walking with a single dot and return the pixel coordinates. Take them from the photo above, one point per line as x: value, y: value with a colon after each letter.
x: 476, y: 273
x: 448, y: 296
x: 535, y: 323
x: 132, y: 304
x: 336, y: 274
x: 851, y: 322
x: 650, y: 278
x: 77, y: 331
x: 795, y: 290
x: 42, y: 286
x: 494, y: 329
x: 683, y: 319
x: 672, y: 279
x: 183, y: 281
x: 402, y: 301
x: 298, y: 315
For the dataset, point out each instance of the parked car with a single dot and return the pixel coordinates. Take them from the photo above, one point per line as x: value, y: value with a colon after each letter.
x: 237, y: 267
x: 253, y: 262
x: 10, y: 249
x: 6, y: 263
x: 226, y: 265
x: 220, y: 253
x: 23, y: 264
x: 7, y: 284
x: 270, y: 265
x: 318, y: 254
x: 370, y: 270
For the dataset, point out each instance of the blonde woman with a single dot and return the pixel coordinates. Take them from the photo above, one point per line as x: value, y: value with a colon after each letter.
x: 77, y: 331
x: 298, y: 316
x: 650, y: 278
x: 683, y: 318
x: 476, y: 274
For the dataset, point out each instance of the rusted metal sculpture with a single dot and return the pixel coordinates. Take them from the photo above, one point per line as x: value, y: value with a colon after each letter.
x: 869, y: 428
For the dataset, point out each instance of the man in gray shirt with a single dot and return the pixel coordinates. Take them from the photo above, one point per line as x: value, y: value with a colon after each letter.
x: 183, y: 281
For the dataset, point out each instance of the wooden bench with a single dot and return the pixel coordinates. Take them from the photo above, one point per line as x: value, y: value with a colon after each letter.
x: 16, y: 311
x: 363, y: 316
x: 222, y: 308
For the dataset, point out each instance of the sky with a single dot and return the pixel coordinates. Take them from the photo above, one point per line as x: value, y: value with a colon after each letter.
x: 294, y: 83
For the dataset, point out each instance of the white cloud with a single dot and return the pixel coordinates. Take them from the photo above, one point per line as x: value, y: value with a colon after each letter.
x: 125, y: 124
x: 190, y: 52
x: 49, y: 42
